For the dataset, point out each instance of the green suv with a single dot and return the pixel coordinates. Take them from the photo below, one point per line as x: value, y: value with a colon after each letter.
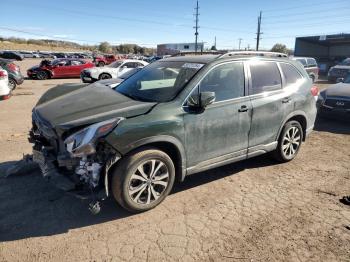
x: 176, y: 117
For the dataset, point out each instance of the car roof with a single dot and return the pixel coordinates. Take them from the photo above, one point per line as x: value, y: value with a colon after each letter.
x: 131, y: 60
x: 204, y: 59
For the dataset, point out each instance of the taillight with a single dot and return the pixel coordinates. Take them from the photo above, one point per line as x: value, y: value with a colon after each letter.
x: 13, y: 67
x: 314, y: 91
x: 3, y: 74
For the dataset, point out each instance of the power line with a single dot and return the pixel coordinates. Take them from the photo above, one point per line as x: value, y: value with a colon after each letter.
x: 306, y: 5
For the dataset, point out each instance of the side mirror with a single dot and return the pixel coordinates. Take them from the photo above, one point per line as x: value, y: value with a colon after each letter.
x: 340, y: 80
x: 202, y: 100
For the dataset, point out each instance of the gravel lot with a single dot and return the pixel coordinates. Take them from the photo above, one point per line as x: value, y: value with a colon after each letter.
x: 256, y: 210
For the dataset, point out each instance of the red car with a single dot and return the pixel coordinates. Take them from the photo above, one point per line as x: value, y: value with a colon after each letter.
x: 105, y: 60
x: 59, y: 68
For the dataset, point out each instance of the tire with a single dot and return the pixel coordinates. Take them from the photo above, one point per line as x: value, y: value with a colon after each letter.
x: 312, y: 78
x: 12, y: 84
x: 136, y: 191
x: 286, y: 150
x: 100, y: 64
x: 42, y: 75
x: 104, y: 76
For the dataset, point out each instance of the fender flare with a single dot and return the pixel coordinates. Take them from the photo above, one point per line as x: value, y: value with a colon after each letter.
x: 291, y: 115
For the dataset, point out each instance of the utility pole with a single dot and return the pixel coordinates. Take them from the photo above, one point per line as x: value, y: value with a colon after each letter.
x: 239, y: 43
x: 259, y: 33
x: 215, y: 43
x: 196, y: 27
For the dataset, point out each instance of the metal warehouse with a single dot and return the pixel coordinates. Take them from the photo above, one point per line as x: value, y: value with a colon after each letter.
x: 328, y: 50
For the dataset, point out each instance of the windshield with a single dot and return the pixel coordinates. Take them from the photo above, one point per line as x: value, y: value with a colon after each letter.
x: 347, y: 79
x: 115, y: 64
x: 159, y: 82
x: 345, y: 62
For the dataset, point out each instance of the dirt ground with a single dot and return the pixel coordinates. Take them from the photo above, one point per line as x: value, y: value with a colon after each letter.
x: 255, y: 210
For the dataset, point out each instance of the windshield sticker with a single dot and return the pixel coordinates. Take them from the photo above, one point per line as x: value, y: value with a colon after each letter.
x: 193, y: 65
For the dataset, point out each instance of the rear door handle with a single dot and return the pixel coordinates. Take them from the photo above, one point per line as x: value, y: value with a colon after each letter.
x: 243, y: 108
x: 286, y: 100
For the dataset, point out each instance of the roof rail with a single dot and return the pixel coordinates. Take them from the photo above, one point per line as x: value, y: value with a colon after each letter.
x: 254, y: 53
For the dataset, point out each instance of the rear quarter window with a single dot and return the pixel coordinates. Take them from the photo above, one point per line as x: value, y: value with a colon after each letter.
x: 290, y: 73
x: 265, y: 77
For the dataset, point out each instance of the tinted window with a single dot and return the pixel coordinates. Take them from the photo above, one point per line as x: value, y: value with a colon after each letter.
x: 302, y: 61
x: 311, y: 62
x: 76, y: 62
x: 265, y: 77
x: 227, y: 81
x: 291, y: 74
x: 130, y: 65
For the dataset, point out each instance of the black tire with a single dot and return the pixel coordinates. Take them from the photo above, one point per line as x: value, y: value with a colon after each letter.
x: 100, y: 64
x: 104, y: 76
x: 12, y: 84
x: 281, y: 153
x: 129, y: 166
x: 42, y: 75
x: 312, y: 78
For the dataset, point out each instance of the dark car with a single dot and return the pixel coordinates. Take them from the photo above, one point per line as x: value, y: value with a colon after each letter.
x: 173, y: 118
x: 334, y: 102
x: 58, y: 68
x: 310, y: 66
x: 339, y: 71
x: 14, y: 73
x: 12, y: 55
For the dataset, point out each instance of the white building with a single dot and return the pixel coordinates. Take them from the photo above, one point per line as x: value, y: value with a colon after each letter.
x: 175, y: 48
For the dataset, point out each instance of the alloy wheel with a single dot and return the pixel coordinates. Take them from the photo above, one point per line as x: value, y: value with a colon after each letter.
x: 148, y: 182
x: 291, y: 142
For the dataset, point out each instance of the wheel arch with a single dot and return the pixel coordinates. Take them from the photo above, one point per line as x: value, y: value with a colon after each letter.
x: 104, y: 73
x: 299, y: 116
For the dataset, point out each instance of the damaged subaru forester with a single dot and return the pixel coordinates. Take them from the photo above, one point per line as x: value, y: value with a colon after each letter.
x: 177, y: 116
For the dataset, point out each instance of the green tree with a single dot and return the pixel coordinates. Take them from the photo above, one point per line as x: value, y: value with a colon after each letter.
x: 280, y: 48
x: 105, y: 47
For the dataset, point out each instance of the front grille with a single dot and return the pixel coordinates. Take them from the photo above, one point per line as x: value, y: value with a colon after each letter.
x: 338, y: 103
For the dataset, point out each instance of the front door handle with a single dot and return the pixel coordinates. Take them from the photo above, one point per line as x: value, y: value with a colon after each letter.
x: 286, y: 100
x: 243, y: 108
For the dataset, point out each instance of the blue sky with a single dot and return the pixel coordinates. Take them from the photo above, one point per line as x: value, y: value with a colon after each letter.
x: 151, y: 22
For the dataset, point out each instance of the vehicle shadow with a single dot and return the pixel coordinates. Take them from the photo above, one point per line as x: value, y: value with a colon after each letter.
x: 29, y: 207
x: 336, y: 126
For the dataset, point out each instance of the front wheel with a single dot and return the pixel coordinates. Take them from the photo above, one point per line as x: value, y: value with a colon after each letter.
x: 143, y: 180
x: 289, y: 142
x: 104, y: 76
x: 12, y: 84
x: 42, y: 75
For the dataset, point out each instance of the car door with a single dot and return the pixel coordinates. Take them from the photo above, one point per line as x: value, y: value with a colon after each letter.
x: 221, y: 131
x: 268, y: 101
x: 127, y: 66
x: 62, y: 69
x: 75, y: 68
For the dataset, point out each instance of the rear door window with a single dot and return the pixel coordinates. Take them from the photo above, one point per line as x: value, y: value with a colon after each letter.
x: 290, y: 73
x: 265, y: 77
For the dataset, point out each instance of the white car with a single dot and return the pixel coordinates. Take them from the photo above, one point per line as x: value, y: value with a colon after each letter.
x: 5, y: 91
x: 113, y: 70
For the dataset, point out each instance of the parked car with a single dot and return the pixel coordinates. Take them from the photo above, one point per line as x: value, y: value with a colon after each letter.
x: 27, y: 54
x: 339, y: 71
x: 113, y: 70
x: 105, y: 60
x: 5, y: 92
x: 11, y: 55
x: 310, y: 66
x: 59, y: 55
x: 174, y: 118
x: 113, y: 82
x: 46, y: 55
x: 58, y: 68
x: 15, y: 76
x: 334, y: 102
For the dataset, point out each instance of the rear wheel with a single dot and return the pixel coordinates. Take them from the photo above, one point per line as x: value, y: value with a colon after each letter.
x: 289, y: 142
x: 143, y: 180
x: 104, y: 76
x: 312, y: 78
x: 42, y: 75
x: 12, y: 84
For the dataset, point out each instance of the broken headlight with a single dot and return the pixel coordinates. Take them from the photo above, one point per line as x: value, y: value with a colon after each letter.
x: 83, y: 142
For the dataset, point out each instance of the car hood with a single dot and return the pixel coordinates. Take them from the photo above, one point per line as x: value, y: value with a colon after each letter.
x: 341, y: 67
x: 339, y: 90
x: 88, y: 105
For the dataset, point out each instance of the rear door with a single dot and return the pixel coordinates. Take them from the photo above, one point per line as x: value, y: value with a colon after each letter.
x: 268, y: 101
x: 76, y: 67
x: 62, y: 69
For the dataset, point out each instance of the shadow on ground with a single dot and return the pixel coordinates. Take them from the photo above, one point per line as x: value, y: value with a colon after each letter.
x: 29, y: 207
